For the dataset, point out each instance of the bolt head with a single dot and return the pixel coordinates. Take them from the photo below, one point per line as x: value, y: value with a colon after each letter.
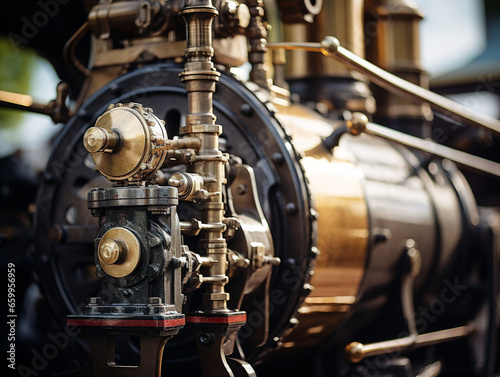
x: 109, y: 252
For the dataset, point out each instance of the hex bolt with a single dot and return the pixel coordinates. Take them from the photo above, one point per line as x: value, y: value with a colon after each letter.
x: 99, y: 273
x: 110, y: 252
x: 155, y: 300
x: 154, y: 241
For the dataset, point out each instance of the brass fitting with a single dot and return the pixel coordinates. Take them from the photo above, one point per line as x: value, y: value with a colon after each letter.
x: 124, y: 143
x: 119, y: 252
x: 110, y: 251
x: 97, y: 139
x: 188, y: 185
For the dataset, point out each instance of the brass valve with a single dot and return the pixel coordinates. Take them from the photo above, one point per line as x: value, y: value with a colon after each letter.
x: 125, y: 143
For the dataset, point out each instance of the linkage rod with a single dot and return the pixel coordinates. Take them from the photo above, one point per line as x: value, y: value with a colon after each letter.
x: 330, y: 46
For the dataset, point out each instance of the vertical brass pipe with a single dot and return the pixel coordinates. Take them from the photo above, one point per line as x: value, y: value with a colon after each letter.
x: 200, y: 78
x: 393, y: 43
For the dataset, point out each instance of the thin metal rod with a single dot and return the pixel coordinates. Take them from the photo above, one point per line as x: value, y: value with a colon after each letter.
x: 305, y: 46
x: 356, y: 351
x: 330, y: 46
x: 429, y: 146
x: 22, y: 102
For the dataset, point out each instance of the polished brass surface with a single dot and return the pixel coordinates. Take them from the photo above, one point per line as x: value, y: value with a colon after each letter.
x: 119, y: 252
x: 110, y: 251
x: 189, y: 186
x: 393, y: 41
x: 357, y: 123
x: 343, y: 233
x: 123, y: 143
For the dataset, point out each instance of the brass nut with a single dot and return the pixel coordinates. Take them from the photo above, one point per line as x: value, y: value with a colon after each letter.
x: 109, y: 252
x: 216, y: 296
x: 119, y: 252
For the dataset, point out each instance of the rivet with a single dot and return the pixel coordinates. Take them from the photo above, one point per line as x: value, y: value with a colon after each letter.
x: 241, y: 189
x: 246, y: 109
x: 277, y: 158
x: 291, y: 208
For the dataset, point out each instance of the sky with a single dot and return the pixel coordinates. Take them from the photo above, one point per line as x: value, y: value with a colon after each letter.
x: 452, y: 33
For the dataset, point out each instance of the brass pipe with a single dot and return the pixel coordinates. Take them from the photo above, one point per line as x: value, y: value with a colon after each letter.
x: 200, y: 78
x: 184, y: 143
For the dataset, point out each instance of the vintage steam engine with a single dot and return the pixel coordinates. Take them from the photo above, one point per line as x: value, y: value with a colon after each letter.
x: 291, y: 216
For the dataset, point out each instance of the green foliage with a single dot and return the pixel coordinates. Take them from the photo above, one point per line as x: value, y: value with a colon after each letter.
x: 16, y: 68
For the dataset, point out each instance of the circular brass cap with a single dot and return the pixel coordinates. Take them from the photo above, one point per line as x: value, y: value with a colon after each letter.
x: 119, y: 252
